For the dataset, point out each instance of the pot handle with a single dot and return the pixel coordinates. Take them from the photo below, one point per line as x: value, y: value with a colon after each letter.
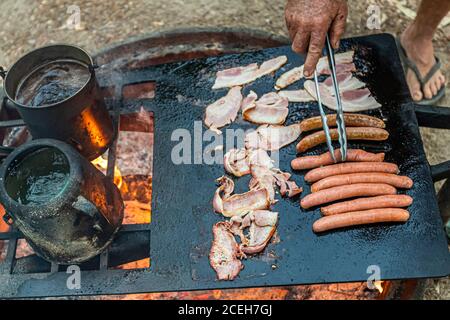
x: 3, y: 72
x: 6, y: 103
x: 438, y: 118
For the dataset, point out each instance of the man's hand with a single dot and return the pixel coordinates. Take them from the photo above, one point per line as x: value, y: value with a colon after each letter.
x: 308, y: 22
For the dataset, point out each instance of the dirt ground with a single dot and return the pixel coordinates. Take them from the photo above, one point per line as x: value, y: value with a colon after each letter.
x: 29, y: 24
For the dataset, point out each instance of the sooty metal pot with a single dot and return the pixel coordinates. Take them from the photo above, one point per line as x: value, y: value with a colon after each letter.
x: 81, y: 120
x: 81, y: 217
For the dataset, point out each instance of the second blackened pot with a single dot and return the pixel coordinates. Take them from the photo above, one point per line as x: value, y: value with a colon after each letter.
x: 67, y: 210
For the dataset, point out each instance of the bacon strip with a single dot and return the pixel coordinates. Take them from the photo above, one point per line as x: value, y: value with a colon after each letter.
x: 299, y: 95
x: 354, y: 100
x: 346, y: 82
x: 269, y: 109
x: 242, y: 75
x: 272, y: 137
x: 289, y: 77
x: 261, y: 224
x: 344, y: 64
x: 238, y: 204
x: 238, y: 161
x: 225, y: 253
x: 263, y: 177
x: 262, y: 228
x: 224, y: 110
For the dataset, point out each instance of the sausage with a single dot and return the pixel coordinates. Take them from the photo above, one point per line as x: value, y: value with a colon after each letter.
x: 350, y: 120
x: 386, y: 201
x: 371, y: 177
x: 357, y: 133
x: 345, y: 192
x: 350, y: 167
x: 359, y: 218
x: 310, y: 162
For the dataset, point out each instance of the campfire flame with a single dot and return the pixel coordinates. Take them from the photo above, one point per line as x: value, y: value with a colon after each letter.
x: 102, y: 164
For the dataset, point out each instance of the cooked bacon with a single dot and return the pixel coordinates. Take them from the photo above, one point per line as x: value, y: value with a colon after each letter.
x: 237, y: 226
x: 262, y: 227
x: 289, y: 77
x: 224, y: 110
x: 242, y: 75
x: 263, y: 178
x: 355, y: 95
x: 225, y: 253
x: 346, y: 82
x: 287, y: 188
x: 272, y: 137
x: 267, y: 178
x: 344, y: 64
x: 238, y: 161
x: 269, y: 109
x: 238, y: 204
x: 353, y: 100
x: 271, y: 65
x: 299, y: 95
x: 249, y: 100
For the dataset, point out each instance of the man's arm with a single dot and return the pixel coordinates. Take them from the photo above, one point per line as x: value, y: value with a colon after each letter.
x: 308, y: 22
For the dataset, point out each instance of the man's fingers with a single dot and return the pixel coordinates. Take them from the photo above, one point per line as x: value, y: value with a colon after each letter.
x: 338, y: 28
x: 300, y: 42
x: 316, y: 44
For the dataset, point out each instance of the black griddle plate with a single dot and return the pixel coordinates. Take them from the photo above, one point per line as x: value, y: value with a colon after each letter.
x: 182, y: 213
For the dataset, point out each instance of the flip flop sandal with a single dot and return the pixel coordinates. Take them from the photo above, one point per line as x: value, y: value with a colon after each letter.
x: 409, y: 64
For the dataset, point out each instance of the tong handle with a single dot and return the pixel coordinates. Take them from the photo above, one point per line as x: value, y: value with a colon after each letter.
x: 340, y: 113
x: 325, y: 127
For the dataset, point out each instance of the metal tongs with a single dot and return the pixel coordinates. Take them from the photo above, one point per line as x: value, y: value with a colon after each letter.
x: 340, y: 113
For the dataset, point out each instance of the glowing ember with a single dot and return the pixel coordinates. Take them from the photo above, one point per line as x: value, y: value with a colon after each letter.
x: 102, y: 164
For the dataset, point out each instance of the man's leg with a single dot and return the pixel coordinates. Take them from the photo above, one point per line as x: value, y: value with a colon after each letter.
x: 417, y: 41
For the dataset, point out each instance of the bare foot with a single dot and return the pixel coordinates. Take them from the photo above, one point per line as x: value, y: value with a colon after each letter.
x: 420, y: 51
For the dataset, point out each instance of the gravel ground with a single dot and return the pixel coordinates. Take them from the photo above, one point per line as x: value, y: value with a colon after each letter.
x: 28, y: 24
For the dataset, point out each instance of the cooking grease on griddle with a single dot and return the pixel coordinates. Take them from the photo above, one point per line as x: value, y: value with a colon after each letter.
x: 52, y: 83
x: 38, y: 177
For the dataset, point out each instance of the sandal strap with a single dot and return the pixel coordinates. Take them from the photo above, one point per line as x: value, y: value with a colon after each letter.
x: 435, y: 68
x: 423, y: 80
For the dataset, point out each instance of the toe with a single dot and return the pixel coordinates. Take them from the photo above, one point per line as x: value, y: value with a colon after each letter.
x: 427, y: 92
x: 433, y: 87
x: 414, y: 87
x: 417, y: 95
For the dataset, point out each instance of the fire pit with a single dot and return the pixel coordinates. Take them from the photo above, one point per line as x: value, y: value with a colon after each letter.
x: 119, y: 269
